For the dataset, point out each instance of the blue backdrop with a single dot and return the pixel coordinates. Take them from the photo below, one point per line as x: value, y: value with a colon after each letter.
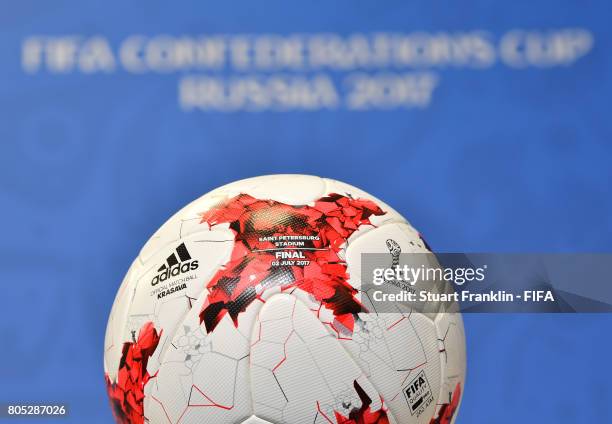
x: 487, y: 127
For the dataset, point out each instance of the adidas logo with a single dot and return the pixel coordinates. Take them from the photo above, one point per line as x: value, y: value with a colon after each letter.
x: 174, y: 266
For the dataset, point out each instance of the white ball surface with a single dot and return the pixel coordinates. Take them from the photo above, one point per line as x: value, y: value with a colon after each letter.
x: 245, y: 307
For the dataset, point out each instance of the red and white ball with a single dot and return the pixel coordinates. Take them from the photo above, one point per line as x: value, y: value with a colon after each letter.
x: 245, y: 307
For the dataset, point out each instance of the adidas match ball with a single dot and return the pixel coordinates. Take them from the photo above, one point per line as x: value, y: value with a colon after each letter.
x: 246, y: 308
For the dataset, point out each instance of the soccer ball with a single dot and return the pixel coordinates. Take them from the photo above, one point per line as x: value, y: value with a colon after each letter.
x: 246, y: 308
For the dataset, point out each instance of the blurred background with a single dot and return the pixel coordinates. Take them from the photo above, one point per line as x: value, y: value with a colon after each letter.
x: 488, y: 127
